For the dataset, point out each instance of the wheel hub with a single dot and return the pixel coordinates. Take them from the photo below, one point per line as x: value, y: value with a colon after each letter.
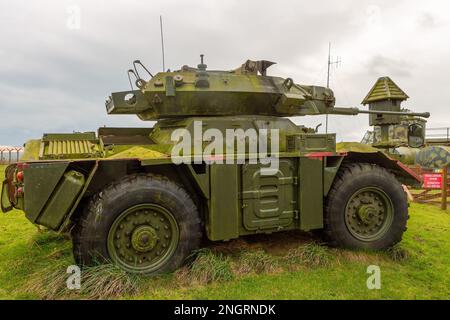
x: 368, y: 214
x: 144, y: 238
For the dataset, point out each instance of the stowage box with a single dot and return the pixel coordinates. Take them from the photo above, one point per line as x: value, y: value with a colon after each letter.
x: 62, y: 199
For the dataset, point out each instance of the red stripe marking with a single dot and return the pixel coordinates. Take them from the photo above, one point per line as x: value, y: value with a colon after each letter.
x: 321, y: 155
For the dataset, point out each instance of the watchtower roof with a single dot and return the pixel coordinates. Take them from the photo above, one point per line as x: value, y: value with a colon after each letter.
x: 384, y: 89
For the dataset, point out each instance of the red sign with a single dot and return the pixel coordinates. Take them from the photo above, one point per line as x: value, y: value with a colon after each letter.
x: 432, y: 181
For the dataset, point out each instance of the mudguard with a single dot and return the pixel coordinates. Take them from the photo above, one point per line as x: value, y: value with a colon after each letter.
x: 402, y: 172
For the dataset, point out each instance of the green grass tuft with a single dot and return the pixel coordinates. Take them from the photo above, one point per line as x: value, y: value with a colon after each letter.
x: 45, y: 236
x: 311, y: 255
x: 257, y: 261
x: 207, y: 267
x: 398, y: 253
x: 106, y: 281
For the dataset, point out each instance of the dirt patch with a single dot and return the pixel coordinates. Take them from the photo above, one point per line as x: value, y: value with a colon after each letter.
x: 277, y: 244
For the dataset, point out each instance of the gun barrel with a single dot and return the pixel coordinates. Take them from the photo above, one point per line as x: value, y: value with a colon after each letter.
x: 355, y: 111
x: 399, y: 113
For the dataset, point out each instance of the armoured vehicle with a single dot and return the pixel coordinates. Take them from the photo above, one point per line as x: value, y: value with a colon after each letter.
x: 134, y: 197
x: 403, y: 137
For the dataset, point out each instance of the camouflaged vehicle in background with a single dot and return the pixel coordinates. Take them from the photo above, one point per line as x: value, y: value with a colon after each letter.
x: 122, y: 198
x: 404, y: 139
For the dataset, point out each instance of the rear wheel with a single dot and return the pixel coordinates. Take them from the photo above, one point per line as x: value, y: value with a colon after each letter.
x: 144, y: 223
x: 366, y: 208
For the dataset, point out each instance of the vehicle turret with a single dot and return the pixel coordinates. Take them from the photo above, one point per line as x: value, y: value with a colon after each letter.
x: 247, y: 90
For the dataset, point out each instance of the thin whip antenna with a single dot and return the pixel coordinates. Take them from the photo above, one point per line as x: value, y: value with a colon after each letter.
x: 330, y: 63
x: 328, y: 83
x: 162, y: 43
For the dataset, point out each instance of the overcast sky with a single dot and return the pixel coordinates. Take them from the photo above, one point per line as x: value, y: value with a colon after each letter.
x: 54, y: 77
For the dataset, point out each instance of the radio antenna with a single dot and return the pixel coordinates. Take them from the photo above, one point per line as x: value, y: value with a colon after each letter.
x: 331, y: 62
x: 162, y: 43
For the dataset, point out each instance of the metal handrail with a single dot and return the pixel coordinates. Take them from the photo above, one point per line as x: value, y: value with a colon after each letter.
x: 445, y: 133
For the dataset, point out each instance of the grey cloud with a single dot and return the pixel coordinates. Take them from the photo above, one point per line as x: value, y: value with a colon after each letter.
x: 427, y: 20
x: 381, y: 65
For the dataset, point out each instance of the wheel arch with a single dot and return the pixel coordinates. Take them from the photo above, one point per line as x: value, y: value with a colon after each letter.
x: 403, y: 173
x: 103, y: 173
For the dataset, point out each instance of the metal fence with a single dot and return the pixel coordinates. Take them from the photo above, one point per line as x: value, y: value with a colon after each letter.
x: 10, y: 154
x: 438, y: 135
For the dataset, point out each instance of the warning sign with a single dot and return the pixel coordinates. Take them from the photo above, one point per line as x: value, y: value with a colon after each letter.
x: 432, y: 181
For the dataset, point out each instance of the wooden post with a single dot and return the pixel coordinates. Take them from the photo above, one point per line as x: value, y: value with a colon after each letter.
x: 444, y: 187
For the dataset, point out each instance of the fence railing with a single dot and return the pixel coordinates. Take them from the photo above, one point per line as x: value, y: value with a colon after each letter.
x: 10, y: 154
x: 438, y: 135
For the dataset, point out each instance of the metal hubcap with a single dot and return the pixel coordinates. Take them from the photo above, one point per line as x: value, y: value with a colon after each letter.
x: 143, y: 238
x: 369, y: 214
x: 366, y: 213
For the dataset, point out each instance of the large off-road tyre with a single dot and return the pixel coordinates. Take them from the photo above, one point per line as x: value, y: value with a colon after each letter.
x: 144, y: 223
x: 366, y: 208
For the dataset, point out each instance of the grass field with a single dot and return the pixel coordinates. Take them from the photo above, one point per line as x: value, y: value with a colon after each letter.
x: 290, y: 265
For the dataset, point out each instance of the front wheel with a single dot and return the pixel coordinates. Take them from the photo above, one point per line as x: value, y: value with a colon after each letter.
x: 144, y: 223
x: 366, y: 208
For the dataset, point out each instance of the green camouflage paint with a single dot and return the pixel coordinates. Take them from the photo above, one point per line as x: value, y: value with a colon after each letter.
x: 61, y: 170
